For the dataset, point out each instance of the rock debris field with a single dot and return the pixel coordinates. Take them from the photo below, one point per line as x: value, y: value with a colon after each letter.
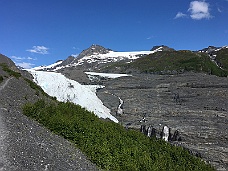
x: 194, y: 104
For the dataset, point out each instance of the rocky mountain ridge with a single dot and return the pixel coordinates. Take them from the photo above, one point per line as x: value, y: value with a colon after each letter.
x: 100, y: 59
x: 97, y: 56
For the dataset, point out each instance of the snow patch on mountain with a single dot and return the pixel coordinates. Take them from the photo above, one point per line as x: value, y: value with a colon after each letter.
x: 64, y: 89
x: 107, y: 75
x: 48, y: 67
x: 105, y: 57
x: 112, y: 56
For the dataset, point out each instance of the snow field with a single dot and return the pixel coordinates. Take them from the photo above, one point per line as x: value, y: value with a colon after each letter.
x: 108, y: 75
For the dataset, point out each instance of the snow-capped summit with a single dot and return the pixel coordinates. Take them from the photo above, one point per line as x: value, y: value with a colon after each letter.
x: 162, y: 48
x: 210, y: 49
x: 97, y: 56
x: 93, y: 50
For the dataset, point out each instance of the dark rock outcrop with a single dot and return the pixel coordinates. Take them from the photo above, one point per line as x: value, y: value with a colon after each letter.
x: 92, y: 50
x: 162, y: 48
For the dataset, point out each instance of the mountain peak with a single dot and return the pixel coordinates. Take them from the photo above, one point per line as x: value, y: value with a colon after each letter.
x: 162, y: 48
x: 210, y: 49
x: 93, y: 50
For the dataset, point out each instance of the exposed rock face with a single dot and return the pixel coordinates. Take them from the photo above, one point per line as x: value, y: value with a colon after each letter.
x: 194, y: 104
x: 67, y: 61
x: 165, y: 133
x: 92, y: 50
x: 162, y: 48
x: 210, y: 49
x: 9, y: 62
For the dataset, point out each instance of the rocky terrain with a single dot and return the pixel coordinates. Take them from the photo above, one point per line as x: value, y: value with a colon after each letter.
x: 199, y: 111
x: 194, y: 103
x: 25, y: 145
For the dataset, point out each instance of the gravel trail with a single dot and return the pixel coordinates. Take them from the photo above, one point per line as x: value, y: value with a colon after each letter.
x: 5, y: 84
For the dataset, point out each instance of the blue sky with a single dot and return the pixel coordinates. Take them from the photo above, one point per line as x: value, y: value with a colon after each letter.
x: 40, y: 32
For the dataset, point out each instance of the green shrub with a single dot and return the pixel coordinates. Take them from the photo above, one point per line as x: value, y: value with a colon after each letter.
x: 109, y: 145
x: 9, y: 71
x: 1, y: 78
x: 222, y: 58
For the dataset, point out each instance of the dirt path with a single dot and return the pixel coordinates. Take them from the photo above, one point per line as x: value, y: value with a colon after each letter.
x: 6, y: 83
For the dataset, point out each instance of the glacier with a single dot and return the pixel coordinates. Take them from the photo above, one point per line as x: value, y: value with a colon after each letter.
x: 64, y: 89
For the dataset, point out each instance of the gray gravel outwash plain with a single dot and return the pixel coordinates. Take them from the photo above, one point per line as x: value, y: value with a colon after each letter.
x: 200, y: 113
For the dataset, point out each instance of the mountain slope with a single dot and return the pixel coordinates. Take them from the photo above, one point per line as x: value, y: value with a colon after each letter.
x: 8, y: 62
x: 96, y: 57
x: 25, y: 144
x: 99, y: 59
x: 172, y: 62
x: 222, y: 58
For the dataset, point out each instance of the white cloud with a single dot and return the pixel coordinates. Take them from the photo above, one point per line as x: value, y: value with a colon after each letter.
x: 220, y: 9
x: 76, y: 48
x: 150, y: 37
x: 39, y: 49
x: 30, y: 58
x: 25, y: 65
x: 199, y: 10
x: 17, y: 58
x: 180, y: 15
x: 23, y: 61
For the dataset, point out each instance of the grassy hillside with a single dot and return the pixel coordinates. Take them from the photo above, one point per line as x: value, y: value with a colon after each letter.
x: 222, y: 58
x: 177, y: 61
x: 109, y: 145
x: 172, y: 62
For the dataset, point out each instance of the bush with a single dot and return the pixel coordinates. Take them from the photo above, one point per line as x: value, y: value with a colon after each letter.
x: 9, y: 71
x: 109, y: 145
x: 1, y: 79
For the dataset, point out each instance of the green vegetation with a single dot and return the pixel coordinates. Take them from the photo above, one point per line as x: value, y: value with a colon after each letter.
x: 31, y: 83
x: 174, y: 62
x: 177, y: 61
x: 109, y: 145
x: 9, y: 71
x: 37, y: 88
x: 1, y: 78
x: 222, y: 58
